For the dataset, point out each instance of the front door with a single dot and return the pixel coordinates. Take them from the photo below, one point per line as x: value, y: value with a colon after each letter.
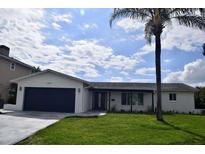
x: 99, y: 100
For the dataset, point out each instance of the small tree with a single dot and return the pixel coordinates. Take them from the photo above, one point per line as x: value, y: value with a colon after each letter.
x: 200, y: 97
x: 36, y: 69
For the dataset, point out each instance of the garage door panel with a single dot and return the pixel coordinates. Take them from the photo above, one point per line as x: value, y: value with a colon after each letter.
x: 49, y: 99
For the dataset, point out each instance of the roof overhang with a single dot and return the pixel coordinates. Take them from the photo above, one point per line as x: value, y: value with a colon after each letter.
x: 17, y: 61
x: 121, y: 89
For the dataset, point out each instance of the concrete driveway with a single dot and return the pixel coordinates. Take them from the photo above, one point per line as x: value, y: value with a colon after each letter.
x: 18, y: 125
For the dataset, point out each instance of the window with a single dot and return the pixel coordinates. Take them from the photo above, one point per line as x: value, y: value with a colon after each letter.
x: 134, y: 98
x: 140, y: 99
x: 125, y: 99
x: 172, y: 97
x: 137, y: 98
x: 12, y: 66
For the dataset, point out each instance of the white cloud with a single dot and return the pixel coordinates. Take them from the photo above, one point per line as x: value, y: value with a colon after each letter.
x: 116, y: 79
x: 193, y: 73
x: 181, y: 37
x: 130, y: 25
x: 82, y: 12
x: 88, y: 26
x: 65, y: 39
x: 146, y: 49
x: 56, y: 26
x: 22, y: 29
x: 90, y: 50
x: 138, y: 37
x: 93, y: 54
x: 142, y: 80
x: 141, y: 53
x: 124, y: 73
x: 149, y: 71
x: 120, y: 62
x: 63, y: 18
x: 146, y: 71
x: 167, y: 60
x: 177, y: 36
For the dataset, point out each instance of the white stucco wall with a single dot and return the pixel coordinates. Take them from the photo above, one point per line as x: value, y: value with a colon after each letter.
x: 49, y: 80
x: 87, y: 106
x: 83, y: 99
x: 118, y: 105
x: 184, y: 102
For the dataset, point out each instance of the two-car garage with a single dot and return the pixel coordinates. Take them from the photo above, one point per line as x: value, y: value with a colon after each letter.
x: 50, y: 91
x: 49, y: 99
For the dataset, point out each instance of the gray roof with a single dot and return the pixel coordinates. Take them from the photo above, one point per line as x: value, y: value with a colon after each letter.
x: 118, y: 85
x: 140, y: 86
x: 17, y: 61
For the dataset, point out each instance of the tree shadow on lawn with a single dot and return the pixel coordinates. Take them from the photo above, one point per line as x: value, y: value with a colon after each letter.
x: 199, y: 138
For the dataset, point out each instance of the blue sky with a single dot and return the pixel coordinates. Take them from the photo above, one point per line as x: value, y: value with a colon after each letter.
x: 80, y: 42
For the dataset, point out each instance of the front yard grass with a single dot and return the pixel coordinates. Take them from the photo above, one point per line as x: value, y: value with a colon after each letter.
x: 124, y: 128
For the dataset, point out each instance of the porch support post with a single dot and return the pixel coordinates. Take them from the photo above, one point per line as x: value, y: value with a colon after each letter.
x: 109, y: 101
x: 92, y: 100
x: 131, y: 100
x: 153, y: 101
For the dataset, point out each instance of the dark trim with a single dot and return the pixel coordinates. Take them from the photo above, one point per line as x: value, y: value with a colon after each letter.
x: 92, y: 101
x: 153, y: 101
x: 106, y: 101
x: 24, y: 96
x: 109, y: 101
x: 123, y: 90
x: 131, y: 101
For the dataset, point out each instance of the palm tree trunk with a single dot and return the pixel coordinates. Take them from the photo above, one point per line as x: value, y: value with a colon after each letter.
x: 158, y: 75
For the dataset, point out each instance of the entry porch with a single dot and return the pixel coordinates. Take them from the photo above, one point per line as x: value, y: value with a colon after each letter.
x: 121, y: 100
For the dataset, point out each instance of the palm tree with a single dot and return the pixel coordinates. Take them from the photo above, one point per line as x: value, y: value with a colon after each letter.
x: 155, y: 20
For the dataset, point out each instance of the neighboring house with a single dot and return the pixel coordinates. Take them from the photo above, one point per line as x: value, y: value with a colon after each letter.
x: 10, y: 68
x: 53, y: 91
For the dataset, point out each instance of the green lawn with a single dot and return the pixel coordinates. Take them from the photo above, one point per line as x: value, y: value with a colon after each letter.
x: 123, y: 129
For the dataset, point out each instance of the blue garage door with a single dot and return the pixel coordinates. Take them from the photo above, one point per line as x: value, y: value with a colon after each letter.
x: 49, y: 99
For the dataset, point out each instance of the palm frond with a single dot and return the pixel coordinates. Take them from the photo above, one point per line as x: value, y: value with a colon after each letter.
x: 202, y: 12
x: 182, y: 11
x: 132, y: 13
x: 149, y: 31
x: 165, y: 16
x: 191, y: 21
x: 203, y: 46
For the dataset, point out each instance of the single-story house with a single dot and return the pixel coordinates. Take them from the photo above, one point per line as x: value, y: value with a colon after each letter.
x: 52, y: 91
